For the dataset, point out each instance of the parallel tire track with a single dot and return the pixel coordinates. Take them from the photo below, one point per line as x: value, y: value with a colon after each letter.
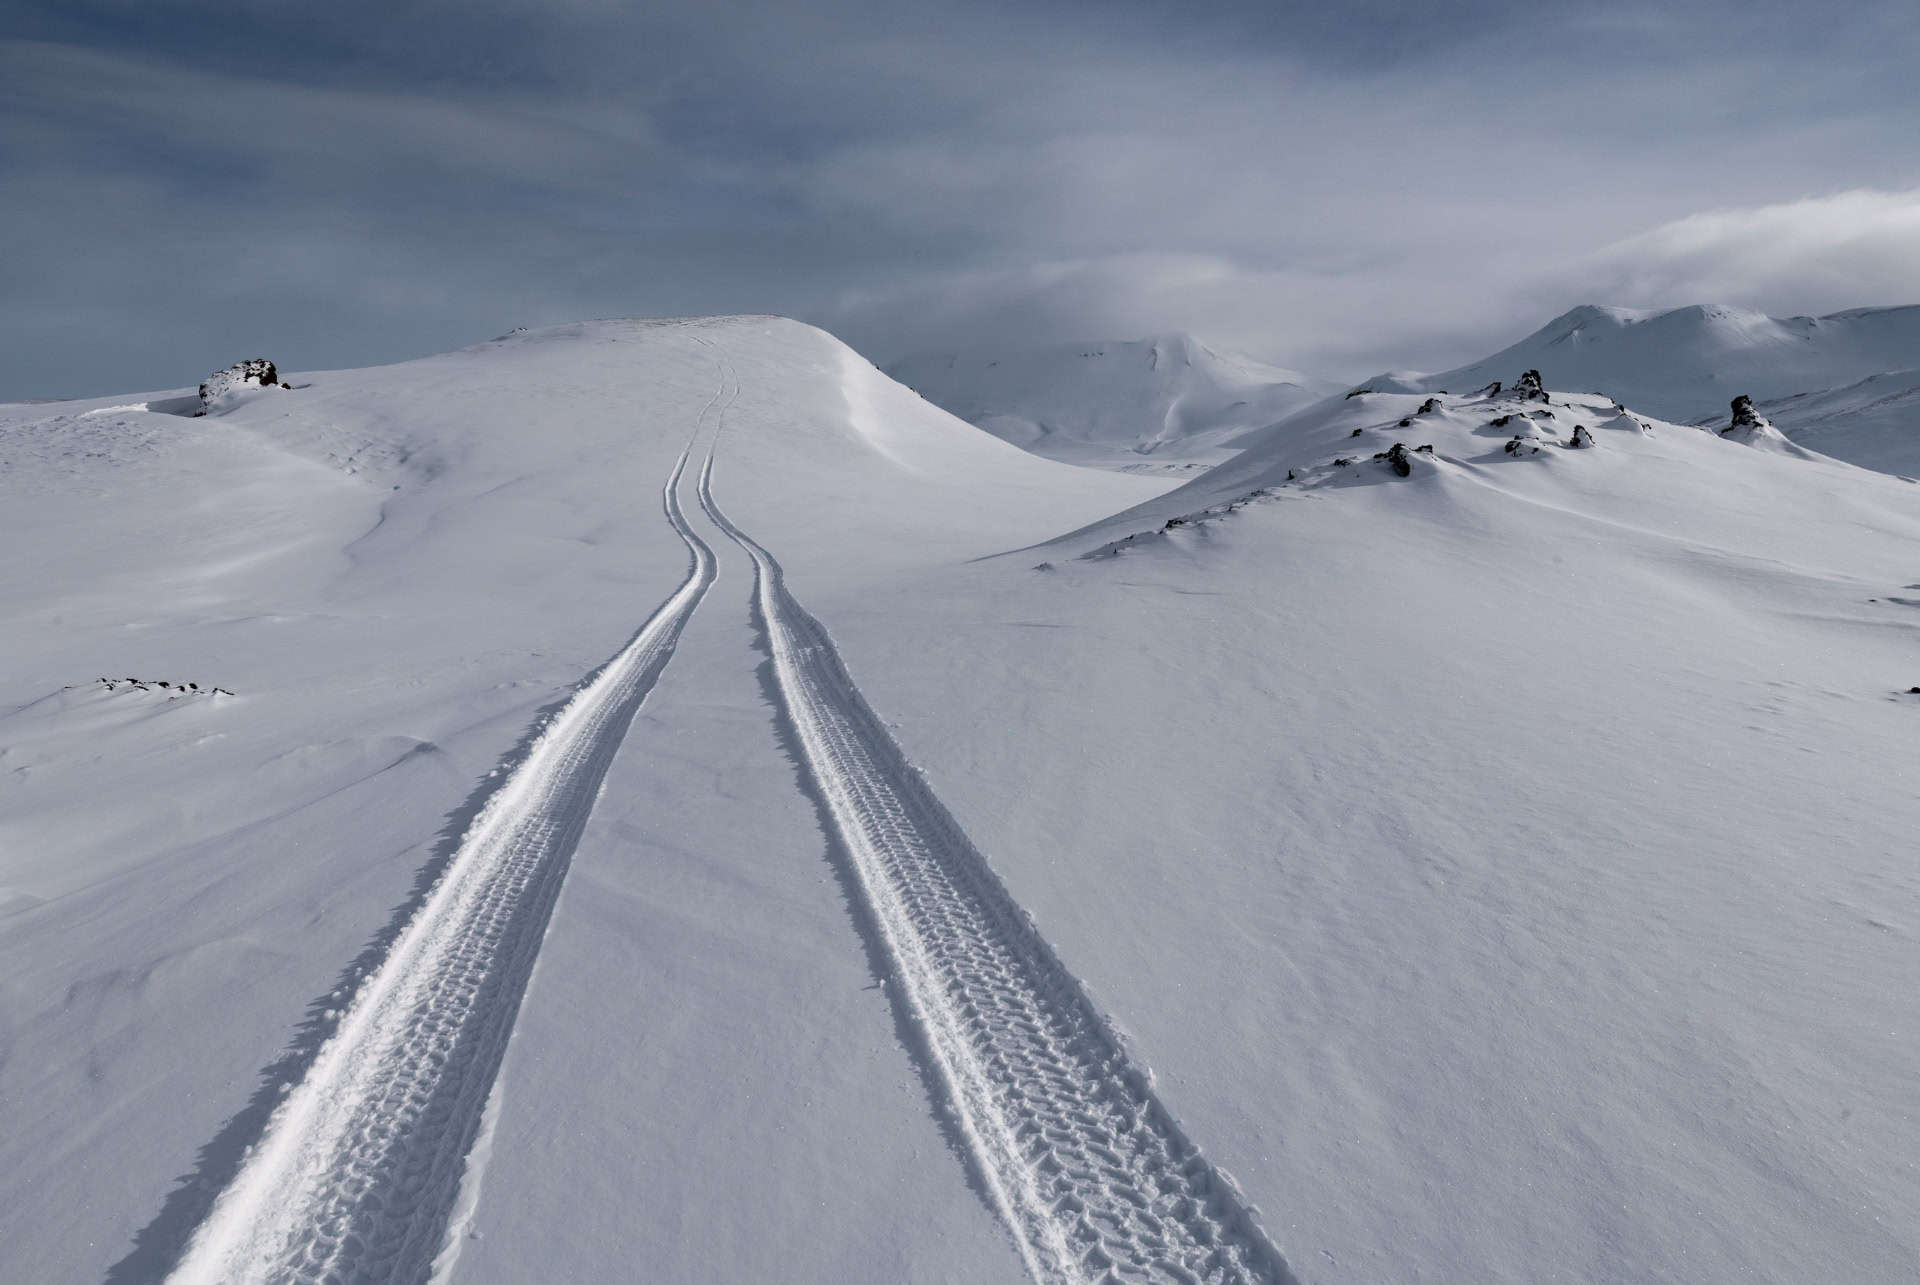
x: 358, y: 1170
x: 1091, y: 1174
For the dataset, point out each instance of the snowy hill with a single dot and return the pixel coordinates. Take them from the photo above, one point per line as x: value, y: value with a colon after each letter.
x: 773, y: 830
x: 1166, y: 398
x: 396, y: 578
x: 1687, y: 364
x: 1874, y: 423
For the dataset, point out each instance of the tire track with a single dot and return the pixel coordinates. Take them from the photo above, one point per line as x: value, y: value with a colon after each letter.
x: 359, y: 1169
x: 1092, y: 1175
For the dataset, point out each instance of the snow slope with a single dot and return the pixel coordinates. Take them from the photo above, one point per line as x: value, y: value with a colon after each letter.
x: 1497, y: 872
x: 1687, y: 364
x: 402, y: 575
x: 1168, y: 398
x: 1508, y: 865
x: 1874, y: 423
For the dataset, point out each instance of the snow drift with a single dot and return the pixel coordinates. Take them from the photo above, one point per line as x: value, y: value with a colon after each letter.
x: 1498, y: 861
x: 1687, y: 364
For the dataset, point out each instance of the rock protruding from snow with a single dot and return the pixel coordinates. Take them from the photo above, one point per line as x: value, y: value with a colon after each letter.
x: 1748, y: 424
x: 1397, y: 459
x: 1429, y: 406
x: 1529, y: 388
x: 1749, y: 427
x: 1581, y: 439
x: 255, y: 372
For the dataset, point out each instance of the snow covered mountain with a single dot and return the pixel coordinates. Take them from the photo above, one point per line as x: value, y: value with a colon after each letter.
x: 674, y: 796
x: 1687, y: 364
x: 1874, y: 423
x: 1168, y: 398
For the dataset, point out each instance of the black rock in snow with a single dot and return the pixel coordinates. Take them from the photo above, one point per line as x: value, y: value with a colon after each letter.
x: 1529, y: 387
x: 255, y: 372
x: 1429, y: 406
x: 1582, y: 439
x: 1397, y: 457
x: 1491, y: 390
x: 1744, y: 415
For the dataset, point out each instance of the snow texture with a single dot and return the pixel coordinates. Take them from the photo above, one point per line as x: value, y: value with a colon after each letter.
x: 1835, y: 382
x: 1501, y: 867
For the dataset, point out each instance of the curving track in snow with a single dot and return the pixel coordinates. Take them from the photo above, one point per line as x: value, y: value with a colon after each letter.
x: 1091, y: 1174
x: 360, y: 1167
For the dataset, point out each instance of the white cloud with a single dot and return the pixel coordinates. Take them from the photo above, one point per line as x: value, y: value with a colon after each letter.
x: 1818, y: 254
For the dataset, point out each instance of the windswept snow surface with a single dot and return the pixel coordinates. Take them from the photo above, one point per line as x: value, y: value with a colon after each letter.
x: 1503, y: 871
x: 358, y: 1169
x: 1168, y: 403
x: 1506, y: 869
x: 1830, y: 381
x: 1874, y: 423
x: 401, y: 574
x: 1092, y: 1176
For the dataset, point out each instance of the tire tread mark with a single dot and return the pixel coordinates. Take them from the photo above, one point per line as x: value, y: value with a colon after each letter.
x: 1093, y: 1177
x: 358, y: 1171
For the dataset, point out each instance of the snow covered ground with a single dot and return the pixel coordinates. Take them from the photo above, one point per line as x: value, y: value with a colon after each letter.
x: 1843, y: 383
x: 1504, y: 868
x: 1166, y: 404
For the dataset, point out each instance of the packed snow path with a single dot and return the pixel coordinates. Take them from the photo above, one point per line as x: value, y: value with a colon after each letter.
x: 1091, y: 1174
x: 358, y: 1171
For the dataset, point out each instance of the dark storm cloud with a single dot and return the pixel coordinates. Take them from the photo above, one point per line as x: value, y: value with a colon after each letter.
x: 1335, y: 187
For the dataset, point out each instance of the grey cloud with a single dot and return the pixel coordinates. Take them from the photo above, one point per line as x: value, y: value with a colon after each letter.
x: 1333, y: 187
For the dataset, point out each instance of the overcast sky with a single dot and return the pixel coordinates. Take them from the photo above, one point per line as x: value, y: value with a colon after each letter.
x: 1338, y: 187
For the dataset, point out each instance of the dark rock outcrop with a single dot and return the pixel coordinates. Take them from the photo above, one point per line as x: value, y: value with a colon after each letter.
x: 1581, y: 439
x: 255, y: 372
x: 1744, y: 415
x: 1396, y: 458
x: 1529, y: 388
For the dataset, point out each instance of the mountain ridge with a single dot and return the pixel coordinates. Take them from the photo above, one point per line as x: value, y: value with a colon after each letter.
x: 1686, y: 364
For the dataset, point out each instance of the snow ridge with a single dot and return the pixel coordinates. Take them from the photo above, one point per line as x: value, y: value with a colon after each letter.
x: 1091, y: 1174
x: 358, y: 1171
